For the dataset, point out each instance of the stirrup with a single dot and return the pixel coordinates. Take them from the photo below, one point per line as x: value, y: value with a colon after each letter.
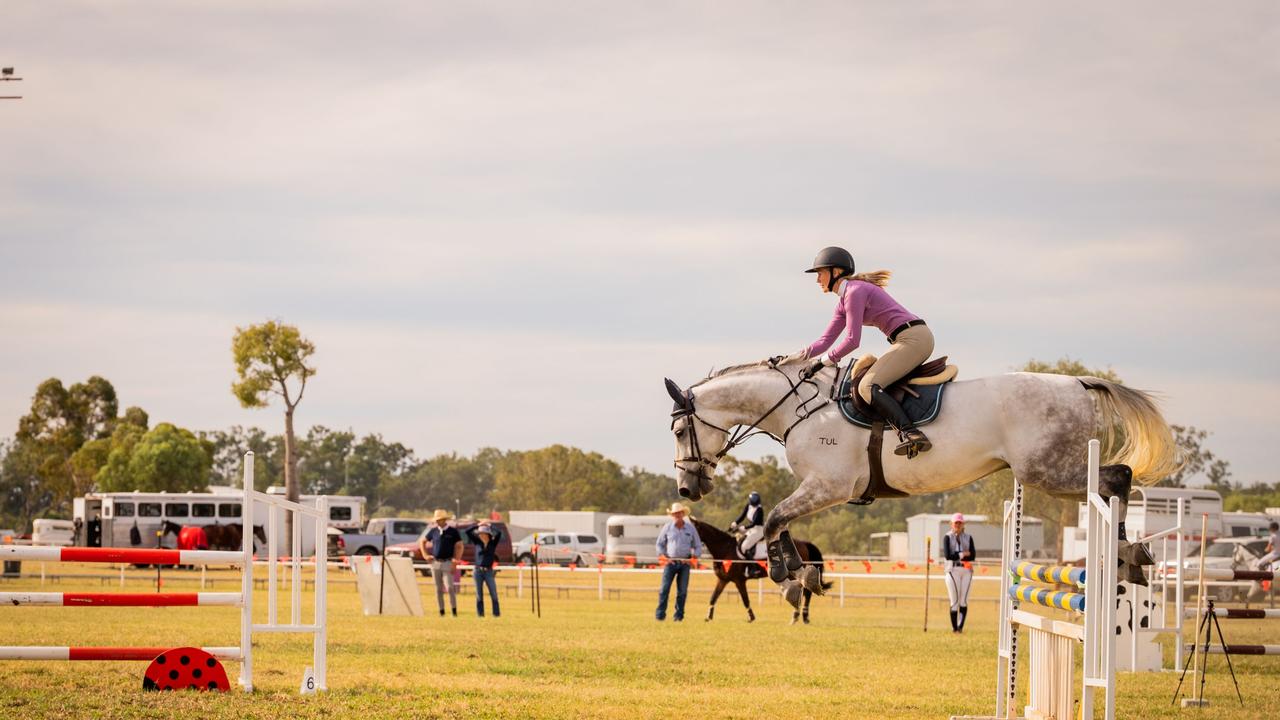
x: 913, y: 443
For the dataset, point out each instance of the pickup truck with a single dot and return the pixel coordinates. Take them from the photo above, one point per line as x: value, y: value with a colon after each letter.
x: 378, y: 534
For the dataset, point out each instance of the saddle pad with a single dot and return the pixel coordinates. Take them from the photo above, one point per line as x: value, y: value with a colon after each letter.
x: 922, y: 410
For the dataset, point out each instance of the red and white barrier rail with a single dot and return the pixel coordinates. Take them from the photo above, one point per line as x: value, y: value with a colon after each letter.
x: 145, y: 654
x: 276, y: 508
x: 187, y: 599
x: 135, y: 556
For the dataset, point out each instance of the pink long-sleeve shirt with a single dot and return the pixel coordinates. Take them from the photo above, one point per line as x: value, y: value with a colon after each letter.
x: 861, y: 303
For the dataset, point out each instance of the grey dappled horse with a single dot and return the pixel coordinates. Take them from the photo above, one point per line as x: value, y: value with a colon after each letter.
x: 1036, y: 424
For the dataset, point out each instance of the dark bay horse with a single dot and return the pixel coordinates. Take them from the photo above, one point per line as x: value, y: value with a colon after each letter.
x: 723, y: 546
x: 220, y: 537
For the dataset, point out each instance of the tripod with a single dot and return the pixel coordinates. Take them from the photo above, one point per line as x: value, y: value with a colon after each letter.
x: 1208, y: 638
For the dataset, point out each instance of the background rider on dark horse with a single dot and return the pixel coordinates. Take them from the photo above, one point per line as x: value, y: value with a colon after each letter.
x: 751, y: 522
x: 863, y: 301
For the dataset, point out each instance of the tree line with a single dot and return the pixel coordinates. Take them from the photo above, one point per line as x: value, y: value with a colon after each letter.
x: 76, y: 439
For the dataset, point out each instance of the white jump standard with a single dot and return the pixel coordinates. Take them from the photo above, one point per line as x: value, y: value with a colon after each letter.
x: 276, y: 508
x: 1051, y: 642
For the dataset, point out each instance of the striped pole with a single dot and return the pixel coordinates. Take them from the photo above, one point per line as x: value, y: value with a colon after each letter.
x: 1241, y: 613
x: 136, y: 556
x: 104, y: 653
x: 1238, y: 649
x: 1063, y: 574
x: 1046, y: 597
x: 121, y: 599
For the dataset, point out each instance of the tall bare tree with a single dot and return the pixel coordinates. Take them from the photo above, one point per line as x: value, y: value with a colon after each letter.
x: 268, y: 357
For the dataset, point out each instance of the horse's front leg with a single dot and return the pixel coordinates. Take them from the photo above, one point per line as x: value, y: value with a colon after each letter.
x: 715, y: 595
x: 813, y: 495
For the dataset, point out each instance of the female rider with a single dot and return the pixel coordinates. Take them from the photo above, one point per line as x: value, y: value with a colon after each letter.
x: 863, y: 301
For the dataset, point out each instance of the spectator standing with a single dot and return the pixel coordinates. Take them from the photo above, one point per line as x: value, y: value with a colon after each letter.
x: 958, y: 550
x: 485, y: 537
x: 446, y: 547
x: 1272, y: 549
x: 678, y: 545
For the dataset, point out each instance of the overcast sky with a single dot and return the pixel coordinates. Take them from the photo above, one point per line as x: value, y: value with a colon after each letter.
x: 503, y: 224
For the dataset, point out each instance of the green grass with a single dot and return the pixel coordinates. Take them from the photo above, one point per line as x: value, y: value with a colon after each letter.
x: 584, y: 658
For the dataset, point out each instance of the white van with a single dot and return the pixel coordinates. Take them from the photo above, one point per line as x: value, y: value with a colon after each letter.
x: 633, y: 537
x: 1151, y: 510
x: 45, y: 531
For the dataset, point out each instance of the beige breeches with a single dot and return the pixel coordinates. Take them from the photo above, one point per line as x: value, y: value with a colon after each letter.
x: 912, y: 347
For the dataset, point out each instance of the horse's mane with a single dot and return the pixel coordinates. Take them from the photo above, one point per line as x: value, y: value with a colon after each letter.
x: 794, y: 358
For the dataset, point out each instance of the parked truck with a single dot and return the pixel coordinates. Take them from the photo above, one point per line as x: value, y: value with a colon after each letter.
x: 379, y: 534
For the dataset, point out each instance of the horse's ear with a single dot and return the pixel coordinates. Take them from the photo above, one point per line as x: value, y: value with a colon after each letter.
x: 674, y: 391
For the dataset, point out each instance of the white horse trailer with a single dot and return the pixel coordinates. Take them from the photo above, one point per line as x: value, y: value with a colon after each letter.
x: 634, y: 537
x: 1152, y: 510
x: 134, y: 519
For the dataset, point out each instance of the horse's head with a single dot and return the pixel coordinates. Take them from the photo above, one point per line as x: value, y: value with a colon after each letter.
x: 260, y: 534
x: 698, y: 445
x: 169, y: 528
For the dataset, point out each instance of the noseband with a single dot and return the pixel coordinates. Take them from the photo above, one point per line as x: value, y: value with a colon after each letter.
x: 743, y: 432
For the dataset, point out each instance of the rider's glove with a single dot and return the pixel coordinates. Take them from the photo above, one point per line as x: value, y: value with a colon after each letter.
x: 814, y: 368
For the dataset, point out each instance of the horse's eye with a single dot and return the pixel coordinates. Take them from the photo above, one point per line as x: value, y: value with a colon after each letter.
x: 680, y: 433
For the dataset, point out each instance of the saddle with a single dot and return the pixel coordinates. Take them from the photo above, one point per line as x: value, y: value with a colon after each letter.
x: 919, y: 393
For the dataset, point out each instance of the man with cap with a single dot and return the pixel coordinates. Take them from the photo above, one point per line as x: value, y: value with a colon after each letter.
x: 485, y: 537
x: 958, y: 551
x: 678, y: 545
x: 446, y: 547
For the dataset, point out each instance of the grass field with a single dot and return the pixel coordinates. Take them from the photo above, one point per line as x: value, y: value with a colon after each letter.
x: 585, y: 658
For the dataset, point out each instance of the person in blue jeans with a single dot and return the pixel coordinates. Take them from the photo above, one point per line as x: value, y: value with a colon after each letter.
x: 485, y: 537
x: 678, y: 545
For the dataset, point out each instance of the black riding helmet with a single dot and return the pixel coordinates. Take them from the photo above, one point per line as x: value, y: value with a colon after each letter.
x: 836, y: 258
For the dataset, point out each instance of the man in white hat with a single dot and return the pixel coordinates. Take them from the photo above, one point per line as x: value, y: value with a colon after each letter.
x: 678, y: 544
x: 446, y: 546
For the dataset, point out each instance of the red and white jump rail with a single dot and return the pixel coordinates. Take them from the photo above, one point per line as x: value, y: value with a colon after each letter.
x: 193, y: 599
x: 276, y: 507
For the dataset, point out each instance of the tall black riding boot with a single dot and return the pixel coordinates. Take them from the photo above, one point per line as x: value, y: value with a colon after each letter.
x: 913, y: 442
x: 954, y: 627
x: 964, y: 613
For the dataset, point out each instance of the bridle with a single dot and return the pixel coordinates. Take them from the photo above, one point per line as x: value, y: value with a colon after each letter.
x: 685, y: 408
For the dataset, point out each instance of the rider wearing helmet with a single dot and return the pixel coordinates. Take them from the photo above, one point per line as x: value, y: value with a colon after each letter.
x: 751, y: 521
x: 864, y: 302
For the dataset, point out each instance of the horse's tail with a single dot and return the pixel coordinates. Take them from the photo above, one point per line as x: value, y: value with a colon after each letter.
x: 1146, y: 443
x: 815, y: 557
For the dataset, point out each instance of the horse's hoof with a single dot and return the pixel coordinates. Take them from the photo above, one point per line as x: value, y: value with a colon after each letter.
x: 791, y: 591
x: 806, y: 619
x: 811, y: 580
x: 794, y: 619
x: 751, y: 617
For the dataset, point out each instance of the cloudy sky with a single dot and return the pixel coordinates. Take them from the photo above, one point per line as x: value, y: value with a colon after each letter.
x: 503, y: 224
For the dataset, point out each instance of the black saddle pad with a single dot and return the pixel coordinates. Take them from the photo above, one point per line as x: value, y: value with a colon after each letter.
x: 922, y: 410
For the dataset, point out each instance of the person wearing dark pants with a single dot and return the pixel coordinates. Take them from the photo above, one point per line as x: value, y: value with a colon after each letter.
x: 678, y: 546
x: 485, y: 537
x: 958, y: 550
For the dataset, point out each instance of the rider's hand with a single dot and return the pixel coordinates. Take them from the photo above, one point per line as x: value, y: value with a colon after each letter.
x: 814, y: 368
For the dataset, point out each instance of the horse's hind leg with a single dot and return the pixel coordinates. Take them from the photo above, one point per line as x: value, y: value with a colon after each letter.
x: 1116, y: 481
x: 746, y: 601
x: 805, y: 613
x: 715, y: 594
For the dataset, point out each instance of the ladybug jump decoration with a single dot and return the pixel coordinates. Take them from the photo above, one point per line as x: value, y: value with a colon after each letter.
x: 185, y: 668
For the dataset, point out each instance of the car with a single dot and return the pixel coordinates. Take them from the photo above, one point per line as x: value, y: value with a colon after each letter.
x: 379, y: 533
x: 412, y: 549
x: 561, y: 548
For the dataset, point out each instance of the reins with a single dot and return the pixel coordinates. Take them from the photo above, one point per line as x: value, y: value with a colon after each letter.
x: 742, y: 433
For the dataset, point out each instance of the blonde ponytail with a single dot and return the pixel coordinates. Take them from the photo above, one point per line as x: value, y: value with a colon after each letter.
x: 875, y: 277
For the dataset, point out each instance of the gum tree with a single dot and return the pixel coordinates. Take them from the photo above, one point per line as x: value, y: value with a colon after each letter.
x: 269, y: 358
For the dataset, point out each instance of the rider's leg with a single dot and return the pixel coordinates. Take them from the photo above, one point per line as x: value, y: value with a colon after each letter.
x: 912, y: 347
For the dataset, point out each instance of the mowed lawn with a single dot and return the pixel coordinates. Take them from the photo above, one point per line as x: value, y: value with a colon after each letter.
x: 584, y: 658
